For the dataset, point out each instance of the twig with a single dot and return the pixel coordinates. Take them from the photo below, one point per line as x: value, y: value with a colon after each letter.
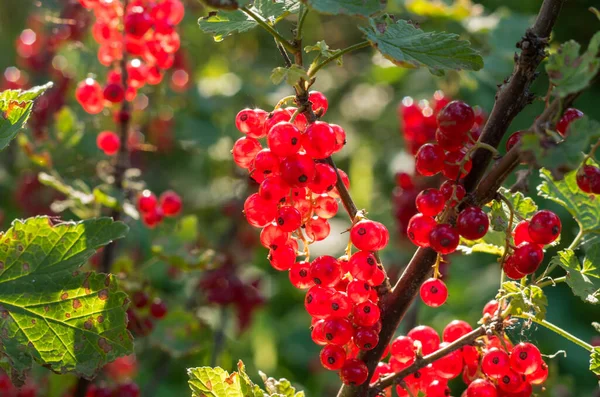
x: 312, y: 71
x: 425, y: 361
x: 288, y: 46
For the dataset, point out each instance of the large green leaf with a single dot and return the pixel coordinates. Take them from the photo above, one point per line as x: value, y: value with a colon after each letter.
x: 584, y: 279
x: 225, y: 23
x: 524, y: 207
x: 408, y: 46
x: 571, y: 72
x: 364, y: 8
x: 584, y: 207
x: 15, y: 108
x: 216, y: 382
x: 67, y: 320
x: 568, y: 154
x: 529, y: 299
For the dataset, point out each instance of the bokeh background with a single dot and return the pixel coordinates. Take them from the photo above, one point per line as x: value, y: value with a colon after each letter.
x: 239, y: 307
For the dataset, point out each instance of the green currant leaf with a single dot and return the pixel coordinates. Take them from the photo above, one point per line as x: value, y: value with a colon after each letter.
x: 583, y: 278
x: 524, y: 207
x: 492, y: 243
x: 529, y: 299
x: 291, y: 75
x: 15, y: 108
x: 225, y: 23
x: 216, y: 382
x: 571, y: 72
x: 568, y: 154
x: 595, y: 361
x: 281, y: 387
x: 585, y: 208
x: 323, y: 51
x: 67, y: 320
x: 410, y: 47
x: 364, y: 8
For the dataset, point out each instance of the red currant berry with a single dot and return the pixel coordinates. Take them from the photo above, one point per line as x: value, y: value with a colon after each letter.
x: 333, y: 357
x: 438, y: 388
x: 114, y: 93
x: 449, y: 366
x: 491, y: 308
x: 419, y: 228
x: 338, y: 331
x: 325, y: 271
x: 429, y: 160
x: 90, y: 96
x: 444, y: 239
x: 514, y: 139
x: 288, y: 218
x: 340, y: 137
x: 430, y: 202
x: 317, y: 229
x: 340, y: 305
x: 381, y: 370
x: 170, y: 202
x: 511, y: 270
x: 282, y: 256
x: 354, y: 372
x: 147, y: 201
x: 430, y: 340
x: 472, y: 223
x: 456, y: 329
x: 300, y: 275
x: 452, y: 192
x: 366, y: 314
x: 258, y: 211
x: 108, y: 142
x: 244, y: 151
x: 298, y: 170
x: 358, y: 291
x: 521, y: 233
x: 405, y: 181
x: 345, y: 180
x: 265, y: 164
x: 319, y: 102
x: 511, y: 382
x: 152, y: 218
x: 525, y: 358
x: 316, y: 332
x: 139, y: 299
x: 319, y: 140
x: 366, y: 338
x: 403, y: 350
x: 588, y: 179
x: 284, y: 139
x: 272, y: 236
x: 325, y: 207
x: 456, y: 119
x: 274, y: 189
x: 538, y: 376
x: 434, y: 292
x: 316, y: 301
x: 252, y: 122
x: 495, y: 363
x: 449, y: 143
x: 324, y: 180
x: 452, y: 165
x: 367, y: 235
x: 528, y: 257
x: 481, y: 388
x: 362, y: 264
x: 544, y: 227
x: 570, y: 115
x: 158, y: 308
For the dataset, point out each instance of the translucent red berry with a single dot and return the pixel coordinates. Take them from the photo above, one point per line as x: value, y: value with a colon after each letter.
x: 456, y: 119
x: 316, y: 301
x: 258, y: 211
x: 362, y: 265
x: 340, y: 136
x: 108, y: 142
x: 449, y: 366
x: 171, y: 203
x: 333, y: 357
x: 544, y: 227
x: 288, y: 218
x: 472, y: 223
x: 403, y: 350
x: 368, y: 235
x: 495, y: 363
x: 324, y: 180
x: 456, y: 329
x: 452, y: 166
x: 528, y: 257
x: 325, y: 207
x: 251, y: 122
x: 419, y: 228
x: 430, y: 340
x: 284, y: 139
x: 147, y: 201
x: 588, y: 179
x: 430, y: 202
x: 366, y: 338
x: 244, y: 151
x: 300, y: 275
x: 437, y: 388
x: 453, y: 193
x: 265, y: 164
x: 521, y: 233
x: 325, y: 271
x: 354, y: 372
x: 298, y: 170
x: 429, y: 160
x: 511, y: 270
x: 366, y: 314
x: 338, y: 331
x: 525, y: 358
x: 319, y: 140
x: 481, y: 388
x: 153, y: 217
x: 274, y: 188
x: 90, y: 96
x: 538, y: 376
x: 358, y: 291
x: 570, y: 115
x: 444, y: 239
x: 114, y: 93
x: 434, y: 292
x: 450, y: 143
x: 511, y: 382
x: 513, y: 140
x: 319, y: 102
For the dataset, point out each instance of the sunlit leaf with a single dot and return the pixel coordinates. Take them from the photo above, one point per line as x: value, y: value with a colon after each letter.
x: 291, y: 75
x: 525, y: 299
x: 52, y: 313
x: 583, y: 278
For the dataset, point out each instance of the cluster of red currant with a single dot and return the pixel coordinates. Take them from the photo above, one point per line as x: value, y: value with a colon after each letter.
x: 154, y: 209
x: 530, y: 237
x: 141, y: 315
x: 297, y: 196
x: 490, y: 367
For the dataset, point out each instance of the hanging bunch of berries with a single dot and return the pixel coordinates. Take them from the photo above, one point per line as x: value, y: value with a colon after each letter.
x: 296, y: 197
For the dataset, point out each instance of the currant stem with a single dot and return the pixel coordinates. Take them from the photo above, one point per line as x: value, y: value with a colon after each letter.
x: 313, y: 70
x: 552, y: 281
x: 284, y: 42
x: 557, y: 330
x: 303, y: 13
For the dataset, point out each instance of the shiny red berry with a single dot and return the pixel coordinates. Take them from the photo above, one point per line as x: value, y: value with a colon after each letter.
x: 108, y: 142
x: 528, y: 257
x: 147, y: 201
x: 319, y: 140
x: 354, y: 372
x: 171, y: 203
x: 525, y: 358
x: 452, y: 165
x: 284, y: 139
x: 325, y: 271
x: 288, y: 218
x: 258, y: 211
x: 158, y: 308
x: 298, y: 170
x: 570, y: 115
x: 456, y: 119
x: 300, y: 275
x: 588, y: 179
x: 444, y: 239
x: 434, y: 292
x: 358, y: 291
x: 472, y: 223
x: 481, y: 388
x: 430, y: 202
x: 368, y: 235
x: 338, y: 331
x: 521, y: 233
x: 544, y: 227
x: 333, y: 357
x: 513, y: 140
x: 419, y: 228
x: 366, y: 314
x: 366, y: 338
x: 453, y: 193
x: 456, y: 329
x: 430, y: 340
x: 429, y: 160
x: 319, y: 102
x: 495, y: 363
x: 251, y: 122
x: 114, y: 93
x: 244, y: 151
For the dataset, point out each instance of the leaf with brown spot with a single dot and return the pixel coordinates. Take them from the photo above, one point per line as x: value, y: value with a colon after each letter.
x: 48, y: 307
